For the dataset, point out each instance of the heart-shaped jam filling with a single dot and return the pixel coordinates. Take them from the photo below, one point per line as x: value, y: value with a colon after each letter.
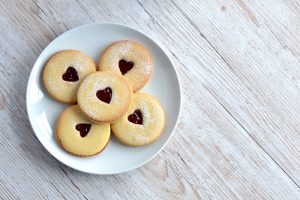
x: 83, y: 129
x: 136, y: 117
x: 104, y: 95
x: 125, y: 66
x: 70, y: 75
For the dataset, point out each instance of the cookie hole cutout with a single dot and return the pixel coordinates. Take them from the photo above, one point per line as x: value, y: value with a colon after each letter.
x: 71, y: 75
x: 136, y: 117
x: 83, y: 129
x: 125, y: 66
x: 104, y: 95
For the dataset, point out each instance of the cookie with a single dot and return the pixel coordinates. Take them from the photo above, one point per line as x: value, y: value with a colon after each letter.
x: 142, y: 123
x: 129, y: 59
x: 78, y: 136
x: 104, y: 96
x: 63, y: 73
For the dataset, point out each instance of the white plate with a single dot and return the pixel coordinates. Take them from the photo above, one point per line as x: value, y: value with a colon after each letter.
x: 92, y: 39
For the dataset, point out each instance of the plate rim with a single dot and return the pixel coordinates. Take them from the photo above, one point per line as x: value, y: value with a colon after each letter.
x: 112, y: 24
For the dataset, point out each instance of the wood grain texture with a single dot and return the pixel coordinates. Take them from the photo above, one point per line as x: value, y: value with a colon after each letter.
x: 238, y: 135
x: 268, y: 107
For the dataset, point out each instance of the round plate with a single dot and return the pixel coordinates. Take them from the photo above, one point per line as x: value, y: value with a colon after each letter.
x: 92, y: 39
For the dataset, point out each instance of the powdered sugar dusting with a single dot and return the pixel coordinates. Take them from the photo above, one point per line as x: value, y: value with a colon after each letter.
x: 94, y: 106
x: 146, y: 114
x: 135, y: 133
x: 60, y: 63
x: 147, y: 69
x: 79, y: 62
x: 139, y: 138
x: 131, y: 52
x: 124, y: 48
x: 99, y: 85
x: 118, y: 52
x: 74, y: 59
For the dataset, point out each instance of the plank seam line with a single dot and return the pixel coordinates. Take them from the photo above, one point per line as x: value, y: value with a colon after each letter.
x: 76, y: 1
x: 283, y: 46
x: 73, y: 182
x: 194, y: 25
x: 42, y: 18
x: 151, y: 16
x: 58, y: 191
x: 251, y: 136
x: 181, y: 177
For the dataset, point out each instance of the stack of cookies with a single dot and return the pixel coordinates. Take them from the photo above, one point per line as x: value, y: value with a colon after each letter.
x: 106, y: 96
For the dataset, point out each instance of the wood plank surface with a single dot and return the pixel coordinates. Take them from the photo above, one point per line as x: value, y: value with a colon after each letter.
x: 238, y: 135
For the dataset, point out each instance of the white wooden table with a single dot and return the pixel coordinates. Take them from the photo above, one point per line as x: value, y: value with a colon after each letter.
x: 239, y: 133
